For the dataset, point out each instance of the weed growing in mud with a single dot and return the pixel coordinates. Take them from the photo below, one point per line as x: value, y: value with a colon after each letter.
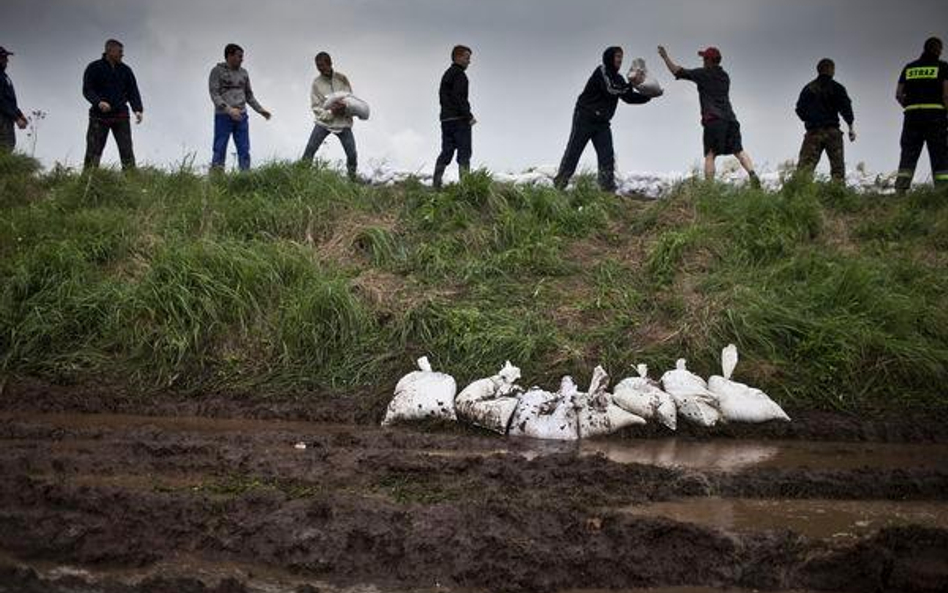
x: 289, y: 278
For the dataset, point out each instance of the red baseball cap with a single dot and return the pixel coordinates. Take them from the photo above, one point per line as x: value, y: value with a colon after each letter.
x: 712, y: 53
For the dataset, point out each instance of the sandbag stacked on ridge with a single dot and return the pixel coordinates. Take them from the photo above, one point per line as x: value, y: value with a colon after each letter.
x: 422, y: 394
x: 491, y: 402
x: 738, y: 402
x: 545, y: 415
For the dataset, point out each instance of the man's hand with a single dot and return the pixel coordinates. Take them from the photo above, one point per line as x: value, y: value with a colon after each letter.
x: 234, y: 113
x: 637, y: 79
x: 139, y: 116
x: 338, y: 109
x: 662, y: 52
x: 266, y: 114
x: 104, y: 107
x: 21, y: 122
x: 473, y: 120
x: 852, y: 134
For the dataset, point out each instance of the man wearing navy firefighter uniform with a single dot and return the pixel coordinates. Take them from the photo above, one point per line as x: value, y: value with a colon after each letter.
x: 923, y: 93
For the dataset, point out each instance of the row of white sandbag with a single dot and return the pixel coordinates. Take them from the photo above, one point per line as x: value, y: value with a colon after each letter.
x: 499, y: 404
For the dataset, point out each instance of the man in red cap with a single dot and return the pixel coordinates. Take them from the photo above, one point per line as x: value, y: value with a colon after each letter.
x: 722, y: 131
x: 10, y: 114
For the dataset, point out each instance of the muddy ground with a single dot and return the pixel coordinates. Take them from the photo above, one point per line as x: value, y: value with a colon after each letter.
x: 135, y: 495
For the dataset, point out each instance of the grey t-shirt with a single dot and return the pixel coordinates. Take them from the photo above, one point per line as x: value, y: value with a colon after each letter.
x: 714, y: 87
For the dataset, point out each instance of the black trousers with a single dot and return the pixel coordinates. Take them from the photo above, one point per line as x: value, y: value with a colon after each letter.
x: 923, y: 129
x: 98, y: 133
x: 582, y: 132
x: 455, y: 136
x: 7, y: 134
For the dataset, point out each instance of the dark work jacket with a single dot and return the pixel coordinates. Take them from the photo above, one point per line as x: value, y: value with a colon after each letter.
x: 8, y: 107
x: 597, y: 103
x: 923, y: 82
x: 453, y: 95
x: 822, y: 102
x: 114, y: 85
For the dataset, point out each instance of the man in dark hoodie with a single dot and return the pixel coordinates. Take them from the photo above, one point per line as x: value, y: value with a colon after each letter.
x: 592, y: 116
x: 923, y: 94
x: 10, y: 114
x: 456, y: 117
x: 821, y: 103
x: 109, y: 86
x: 722, y: 131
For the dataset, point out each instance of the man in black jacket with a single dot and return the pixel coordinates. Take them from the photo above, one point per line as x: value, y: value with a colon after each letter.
x: 923, y: 93
x: 10, y: 114
x: 109, y: 86
x: 456, y: 117
x: 821, y: 103
x: 592, y: 116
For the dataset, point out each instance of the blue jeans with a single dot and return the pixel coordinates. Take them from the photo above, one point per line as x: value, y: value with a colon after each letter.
x: 348, y: 144
x: 224, y: 128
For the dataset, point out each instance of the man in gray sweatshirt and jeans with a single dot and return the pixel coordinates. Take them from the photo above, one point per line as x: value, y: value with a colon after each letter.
x: 229, y: 85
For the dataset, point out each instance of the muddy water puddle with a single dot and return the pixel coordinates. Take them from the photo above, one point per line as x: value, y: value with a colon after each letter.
x: 822, y: 519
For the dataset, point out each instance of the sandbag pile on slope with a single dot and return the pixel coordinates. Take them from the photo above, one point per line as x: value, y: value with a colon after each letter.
x: 491, y: 402
x: 422, y: 394
x: 738, y: 402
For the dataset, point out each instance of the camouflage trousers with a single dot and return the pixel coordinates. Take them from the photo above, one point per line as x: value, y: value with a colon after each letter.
x: 7, y: 134
x: 814, y: 143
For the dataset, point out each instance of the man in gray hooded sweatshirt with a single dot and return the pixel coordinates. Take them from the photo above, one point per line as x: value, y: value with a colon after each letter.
x: 229, y: 85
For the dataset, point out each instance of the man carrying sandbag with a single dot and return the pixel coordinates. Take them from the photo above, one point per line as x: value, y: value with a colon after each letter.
x: 334, y: 120
x: 592, y: 115
x: 456, y: 117
x: 231, y: 93
x: 821, y: 103
x: 722, y: 131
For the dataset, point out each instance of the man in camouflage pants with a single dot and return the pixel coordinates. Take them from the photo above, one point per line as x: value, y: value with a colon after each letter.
x: 821, y: 103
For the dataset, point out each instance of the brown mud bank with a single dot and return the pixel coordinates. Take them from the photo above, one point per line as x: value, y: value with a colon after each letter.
x: 31, y: 395
x: 340, y: 507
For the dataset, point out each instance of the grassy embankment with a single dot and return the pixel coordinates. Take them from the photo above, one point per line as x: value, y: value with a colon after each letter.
x: 291, y: 280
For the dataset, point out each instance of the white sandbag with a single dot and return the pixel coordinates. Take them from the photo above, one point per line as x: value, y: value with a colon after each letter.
x: 422, y: 394
x: 649, y: 86
x: 491, y: 402
x: 643, y: 397
x: 694, y: 401
x: 597, y: 414
x: 738, y: 402
x: 354, y: 105
x: 545, y: 415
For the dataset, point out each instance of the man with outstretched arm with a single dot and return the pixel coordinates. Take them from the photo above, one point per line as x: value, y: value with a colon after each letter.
x: 109, y: 86
x: 722, y: 131
x: 592, y: 115
x: 923, y: 94
x: 456, y: 117
x: 231, y: 93
x: 821, y: 103
x: 335, y: 120
x: 10, y: 114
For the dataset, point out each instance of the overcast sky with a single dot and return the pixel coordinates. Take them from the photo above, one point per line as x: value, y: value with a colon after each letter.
x: 531, y: 59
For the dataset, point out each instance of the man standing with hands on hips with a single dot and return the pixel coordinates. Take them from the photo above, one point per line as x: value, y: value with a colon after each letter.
x: 109, y: 86
x: 230, y: 90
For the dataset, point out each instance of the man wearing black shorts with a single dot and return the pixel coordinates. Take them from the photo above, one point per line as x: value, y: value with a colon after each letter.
x: 722, y: 131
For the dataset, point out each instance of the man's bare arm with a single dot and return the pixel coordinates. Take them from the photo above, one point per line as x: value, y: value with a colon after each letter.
x: 669, y: 63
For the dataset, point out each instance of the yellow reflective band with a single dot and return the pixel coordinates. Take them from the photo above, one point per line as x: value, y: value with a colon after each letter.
x: 921, y: 73
x: 926, y: 106
x: 906, y: 173
x: 941, y: 177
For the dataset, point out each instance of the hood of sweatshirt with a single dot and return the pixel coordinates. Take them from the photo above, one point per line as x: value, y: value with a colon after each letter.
x: 608, y: 59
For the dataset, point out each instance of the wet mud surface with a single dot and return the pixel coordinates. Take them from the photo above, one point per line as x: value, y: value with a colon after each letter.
x: 119, y: 502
